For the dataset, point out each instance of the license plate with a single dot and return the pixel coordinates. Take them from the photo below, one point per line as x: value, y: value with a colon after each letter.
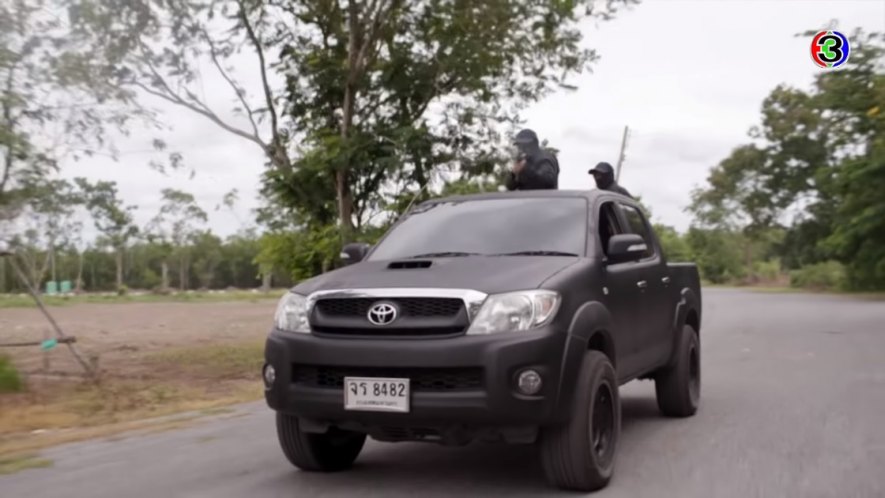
x: 375, y: 394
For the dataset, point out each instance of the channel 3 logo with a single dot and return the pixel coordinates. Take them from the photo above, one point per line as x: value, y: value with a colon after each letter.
x: 829, y: 49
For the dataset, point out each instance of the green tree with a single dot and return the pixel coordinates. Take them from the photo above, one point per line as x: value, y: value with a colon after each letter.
x: 178, y: 223
x: 45, y: 223
x: 239, y: 268
x: 51, y: 103
x: 362, y: 77
x: 717, y: 253
x: 854, y: 101
x: 111, y: 218
x: 207, y: 254
x: 675, y: 246
x: 817, y: 167
x: 377, y: 94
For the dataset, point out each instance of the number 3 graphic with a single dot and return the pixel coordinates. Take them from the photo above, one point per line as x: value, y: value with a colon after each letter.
x: 831, y: 48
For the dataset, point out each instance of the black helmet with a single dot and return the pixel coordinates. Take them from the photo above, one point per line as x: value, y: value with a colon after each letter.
x: 603, y: 173
x: 527, y: 141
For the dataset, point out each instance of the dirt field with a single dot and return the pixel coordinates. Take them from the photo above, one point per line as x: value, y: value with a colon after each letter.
x: 121, y: 335
x: 154, y: 359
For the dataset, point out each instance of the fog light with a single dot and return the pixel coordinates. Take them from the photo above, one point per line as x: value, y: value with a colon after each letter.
x: 270, y: 375
x: 529, y: 382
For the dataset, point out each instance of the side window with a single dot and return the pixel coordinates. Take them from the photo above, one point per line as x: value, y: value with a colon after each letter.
x: 608, y: 224
x: 638, y: 225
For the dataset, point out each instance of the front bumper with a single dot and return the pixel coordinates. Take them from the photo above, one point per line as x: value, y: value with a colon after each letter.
x: 491, y: 402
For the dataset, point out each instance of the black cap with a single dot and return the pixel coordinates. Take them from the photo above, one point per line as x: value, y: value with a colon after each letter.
x: 526, y: 136
x: 603, y: 167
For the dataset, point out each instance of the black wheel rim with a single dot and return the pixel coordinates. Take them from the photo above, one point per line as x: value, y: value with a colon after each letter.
x: 602, y: 428
x: 694, y: 373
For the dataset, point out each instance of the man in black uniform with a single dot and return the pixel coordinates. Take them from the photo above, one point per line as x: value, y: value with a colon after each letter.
x: 534, y: 168
x: 604, y: 175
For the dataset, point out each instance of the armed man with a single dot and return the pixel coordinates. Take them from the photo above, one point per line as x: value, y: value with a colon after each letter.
x: 604, y: 175
x: 534, y: 168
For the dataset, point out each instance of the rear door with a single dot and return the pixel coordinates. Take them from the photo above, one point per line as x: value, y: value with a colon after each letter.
x: 654, y: 282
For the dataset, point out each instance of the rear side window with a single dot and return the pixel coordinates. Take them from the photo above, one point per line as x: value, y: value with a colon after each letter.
x: 638, y: 225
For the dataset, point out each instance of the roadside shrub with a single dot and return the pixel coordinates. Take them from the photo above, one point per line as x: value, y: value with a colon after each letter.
x: 767, y: 271
x: 150, y: 279
x: 10, y: 381
x: 159, y: 290
x: 122, y: 290
x: 820, y: 276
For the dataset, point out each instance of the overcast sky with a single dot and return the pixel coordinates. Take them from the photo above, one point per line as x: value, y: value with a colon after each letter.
x: 688, y: 77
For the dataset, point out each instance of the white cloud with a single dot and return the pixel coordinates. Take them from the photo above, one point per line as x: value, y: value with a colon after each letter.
x: 688, y: 77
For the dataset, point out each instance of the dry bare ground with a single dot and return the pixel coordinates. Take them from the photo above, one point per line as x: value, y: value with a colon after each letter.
x: 155, y: 359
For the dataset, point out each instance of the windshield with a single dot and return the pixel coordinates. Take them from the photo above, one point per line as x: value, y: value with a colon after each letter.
x: 542, y: 226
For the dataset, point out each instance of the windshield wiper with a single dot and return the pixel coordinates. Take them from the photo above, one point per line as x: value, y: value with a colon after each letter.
x: 536, y: 253
x: 447, y: 254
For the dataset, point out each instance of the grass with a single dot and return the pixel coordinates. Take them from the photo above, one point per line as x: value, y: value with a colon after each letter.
x: 215, y: 361
x: 10, y: 381
x: 777, y: 289
x: 26, y: 301
x: 203, y: 380
x: 86, y: 405
x: 67, y: 414
x: 13, y: 464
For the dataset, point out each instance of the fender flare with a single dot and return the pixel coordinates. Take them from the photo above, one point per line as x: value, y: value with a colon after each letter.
x: 590, y: 319
x: 688, y: 301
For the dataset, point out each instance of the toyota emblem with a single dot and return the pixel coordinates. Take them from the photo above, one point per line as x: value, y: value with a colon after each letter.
x: 382, y: 313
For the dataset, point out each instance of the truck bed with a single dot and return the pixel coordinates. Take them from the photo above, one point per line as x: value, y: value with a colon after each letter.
x: 685, y: 275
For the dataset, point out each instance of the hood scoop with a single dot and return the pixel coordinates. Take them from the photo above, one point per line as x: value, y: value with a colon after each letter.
x: 405, y: 265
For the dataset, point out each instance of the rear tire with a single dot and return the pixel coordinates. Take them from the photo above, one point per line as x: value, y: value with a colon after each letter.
x: 678, y: 388
x: 579, y: 455
x: 333, y: 451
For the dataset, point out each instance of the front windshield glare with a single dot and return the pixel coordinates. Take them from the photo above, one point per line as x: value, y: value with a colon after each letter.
x: 548, y: 226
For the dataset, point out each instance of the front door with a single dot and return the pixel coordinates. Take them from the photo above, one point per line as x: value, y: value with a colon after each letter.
x: 623, y: 297
x: 656, y: 334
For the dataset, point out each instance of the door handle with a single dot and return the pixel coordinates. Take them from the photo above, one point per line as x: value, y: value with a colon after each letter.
x: 666, y: 280
x: 642, y: 284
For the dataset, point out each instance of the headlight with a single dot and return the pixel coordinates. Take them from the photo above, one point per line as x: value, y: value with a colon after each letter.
x: 291, y: 315
x: 515, y: 311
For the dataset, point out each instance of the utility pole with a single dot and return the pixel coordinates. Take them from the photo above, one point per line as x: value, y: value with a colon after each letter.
x: 621, y: 155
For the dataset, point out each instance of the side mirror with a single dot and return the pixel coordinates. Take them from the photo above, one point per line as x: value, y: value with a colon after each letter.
x: 354, y: 252
x: 626, y: 247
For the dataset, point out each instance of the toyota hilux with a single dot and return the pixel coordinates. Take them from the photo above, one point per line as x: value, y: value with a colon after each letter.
x: 507, y: 317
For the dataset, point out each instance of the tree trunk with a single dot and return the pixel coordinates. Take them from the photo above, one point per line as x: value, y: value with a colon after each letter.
x: 751, y: 274
x: 181, y: 282
x: 164, y: 282
x: 345, y: 206
x: 342, y: 187
x: 119, y: 261
x: 36, y: 272
x: 52, y: 263
x: 79, y: 285
x: 266, y: 281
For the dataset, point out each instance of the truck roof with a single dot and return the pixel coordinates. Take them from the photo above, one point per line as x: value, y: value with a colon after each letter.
x: 590, y: 195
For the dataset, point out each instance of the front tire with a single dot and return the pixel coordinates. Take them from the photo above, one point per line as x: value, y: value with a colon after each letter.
x: 579, y: 455
x: 678, y: 388
x: 333, y: 451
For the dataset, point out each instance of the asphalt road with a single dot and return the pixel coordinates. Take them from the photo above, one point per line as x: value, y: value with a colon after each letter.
x: 793, y: 405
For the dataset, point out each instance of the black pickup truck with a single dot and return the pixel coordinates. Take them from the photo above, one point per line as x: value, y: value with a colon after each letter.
x: 510, y: 317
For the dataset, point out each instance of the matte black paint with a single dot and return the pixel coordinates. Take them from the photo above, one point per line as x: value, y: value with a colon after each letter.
x: 602, y: 303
